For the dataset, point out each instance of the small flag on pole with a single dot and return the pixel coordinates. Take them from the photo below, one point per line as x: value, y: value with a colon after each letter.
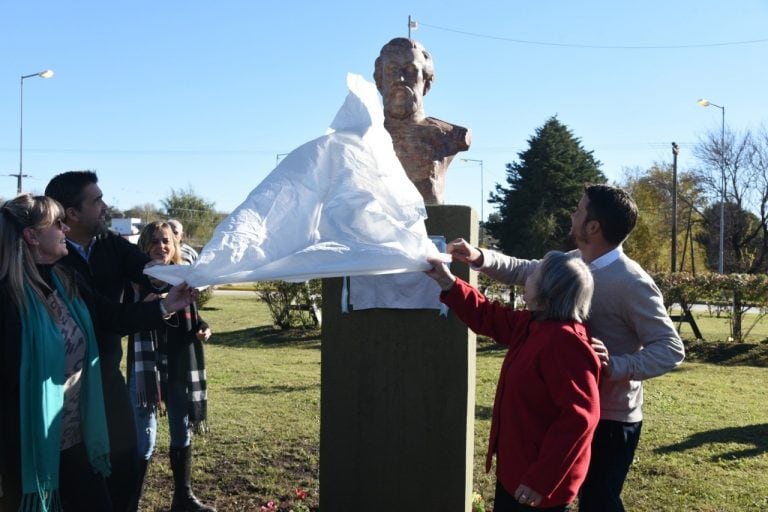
x: 412, y: 25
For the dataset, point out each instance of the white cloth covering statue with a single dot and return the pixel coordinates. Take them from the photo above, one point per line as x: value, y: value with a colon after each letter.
x: 339, y: 205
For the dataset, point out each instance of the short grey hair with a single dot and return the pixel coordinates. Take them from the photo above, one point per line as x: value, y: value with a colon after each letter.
x: 565, y: 287
x: 175, y: 224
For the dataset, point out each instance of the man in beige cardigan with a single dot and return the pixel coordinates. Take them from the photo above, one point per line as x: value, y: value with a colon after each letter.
x: 632, y: 333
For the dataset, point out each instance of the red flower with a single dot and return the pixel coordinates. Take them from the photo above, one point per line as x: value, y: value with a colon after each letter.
x: 301, y: 494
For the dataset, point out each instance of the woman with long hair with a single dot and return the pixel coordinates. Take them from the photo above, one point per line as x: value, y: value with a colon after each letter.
x: 167, y: 373
x: 54, y: 445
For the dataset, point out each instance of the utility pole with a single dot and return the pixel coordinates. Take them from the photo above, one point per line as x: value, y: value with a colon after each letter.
x: 675, y: 151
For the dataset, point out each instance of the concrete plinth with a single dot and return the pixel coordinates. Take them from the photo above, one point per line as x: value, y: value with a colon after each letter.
x: 397, y: 399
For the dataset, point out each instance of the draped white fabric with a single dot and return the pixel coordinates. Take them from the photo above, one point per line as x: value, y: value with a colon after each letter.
x: 340, y: 205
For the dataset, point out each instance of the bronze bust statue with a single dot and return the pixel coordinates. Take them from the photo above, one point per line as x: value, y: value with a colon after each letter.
x: 425, y: 145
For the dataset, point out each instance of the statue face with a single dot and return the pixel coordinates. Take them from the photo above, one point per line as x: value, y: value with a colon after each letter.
x: 402, y: 82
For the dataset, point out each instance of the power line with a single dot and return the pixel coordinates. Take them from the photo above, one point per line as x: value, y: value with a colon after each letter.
x: 595, y: 46
x: 148, y: 151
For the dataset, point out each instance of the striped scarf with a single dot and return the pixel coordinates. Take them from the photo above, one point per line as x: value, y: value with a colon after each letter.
x: 158, y: 355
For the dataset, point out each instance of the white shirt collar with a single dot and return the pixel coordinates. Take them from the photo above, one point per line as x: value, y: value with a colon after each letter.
x: 606, y: 259
x: 85, y: 252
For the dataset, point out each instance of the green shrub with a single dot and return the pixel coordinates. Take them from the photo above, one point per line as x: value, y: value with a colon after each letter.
x: 204, y: 296
x: 292, y: 305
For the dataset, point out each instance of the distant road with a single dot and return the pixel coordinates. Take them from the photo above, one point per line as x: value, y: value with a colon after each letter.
x: 227, y: 291
x: 703, y: 308
x: 697, y: 308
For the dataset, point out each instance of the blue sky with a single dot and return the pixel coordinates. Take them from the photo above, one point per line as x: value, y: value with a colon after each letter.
x: 171, y: 94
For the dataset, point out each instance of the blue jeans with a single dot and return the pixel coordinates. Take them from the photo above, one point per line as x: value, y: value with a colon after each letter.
x: 613, y: 449
x: 146, y: 419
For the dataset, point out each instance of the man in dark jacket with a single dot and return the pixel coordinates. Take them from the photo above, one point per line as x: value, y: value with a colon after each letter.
x: 108, y: 262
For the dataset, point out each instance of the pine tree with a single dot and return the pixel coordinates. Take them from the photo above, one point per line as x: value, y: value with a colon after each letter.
x: 542, y: 191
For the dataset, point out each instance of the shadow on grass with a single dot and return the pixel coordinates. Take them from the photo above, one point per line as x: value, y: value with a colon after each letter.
x: 272, y: 390
x: 267, y: 337
x: 728, y: 354
x: 756, y: 436
x: 483, y: 412
x: 488, y: 346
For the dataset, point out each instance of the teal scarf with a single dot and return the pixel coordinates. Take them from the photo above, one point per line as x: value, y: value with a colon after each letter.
x: 42, y: 396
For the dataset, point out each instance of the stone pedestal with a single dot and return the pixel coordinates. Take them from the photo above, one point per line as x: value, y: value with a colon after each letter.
x: 397, y: 399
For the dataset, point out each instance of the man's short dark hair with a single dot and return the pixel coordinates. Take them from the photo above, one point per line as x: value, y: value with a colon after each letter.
x: 68, y: 187
x: 614, y: 209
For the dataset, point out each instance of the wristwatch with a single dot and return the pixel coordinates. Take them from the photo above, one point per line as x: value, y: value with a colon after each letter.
x: 163, y: 310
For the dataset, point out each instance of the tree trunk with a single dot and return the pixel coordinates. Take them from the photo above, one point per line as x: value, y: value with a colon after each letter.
x: 737, y: 316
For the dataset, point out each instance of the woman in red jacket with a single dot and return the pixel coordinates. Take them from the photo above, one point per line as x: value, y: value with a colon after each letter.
x: 547, y: 402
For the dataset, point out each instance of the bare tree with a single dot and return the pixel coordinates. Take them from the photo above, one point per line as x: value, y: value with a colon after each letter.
x: 735, y: 157
x: 758, y: 161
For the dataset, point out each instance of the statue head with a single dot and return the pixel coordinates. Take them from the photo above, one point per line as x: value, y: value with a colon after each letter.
x: 403, y: 73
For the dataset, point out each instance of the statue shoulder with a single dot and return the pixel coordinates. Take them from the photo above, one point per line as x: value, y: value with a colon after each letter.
x: 461, y: 135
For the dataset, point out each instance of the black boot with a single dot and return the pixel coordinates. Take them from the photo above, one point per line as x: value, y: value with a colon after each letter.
x: 183, y: 499
x: 136, y: 500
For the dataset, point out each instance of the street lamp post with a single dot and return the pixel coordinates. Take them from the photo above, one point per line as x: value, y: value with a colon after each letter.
x: 482, y: 187
x: 707, y: 103
x: 42, y: 74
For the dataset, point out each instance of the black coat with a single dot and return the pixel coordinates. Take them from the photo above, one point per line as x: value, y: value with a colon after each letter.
x: 112, y: 263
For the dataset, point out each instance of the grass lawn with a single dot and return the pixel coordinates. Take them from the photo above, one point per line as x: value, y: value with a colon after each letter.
x: 704, y: 445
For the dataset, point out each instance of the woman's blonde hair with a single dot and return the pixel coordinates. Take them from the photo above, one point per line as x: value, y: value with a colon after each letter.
x: 565, y: 287
x: 148, y: 232
x: 17, y: 262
